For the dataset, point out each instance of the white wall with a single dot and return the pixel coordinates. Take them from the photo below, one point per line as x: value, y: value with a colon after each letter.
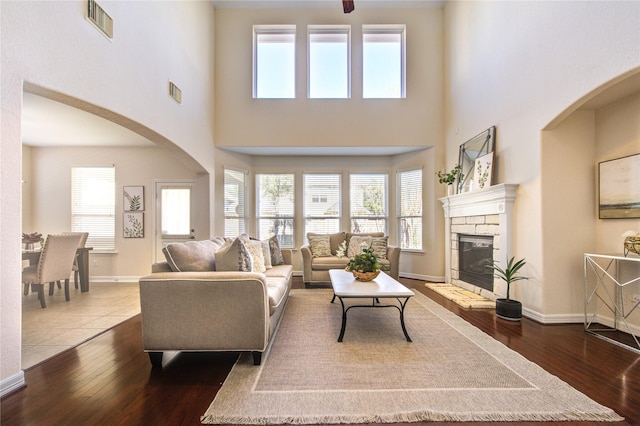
x: 49, y: 46
x: 518, y: 65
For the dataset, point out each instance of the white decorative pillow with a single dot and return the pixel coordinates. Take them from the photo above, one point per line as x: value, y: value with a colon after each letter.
x: 356, y: 244
x: 379, y: 246
x: 266, y: 252
x: 234, y: 256
x: 257, y: 255
x: 320, y: 245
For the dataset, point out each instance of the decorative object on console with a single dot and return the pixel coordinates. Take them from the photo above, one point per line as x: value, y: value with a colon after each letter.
x: 619, y: 189
x: 507, y: 308
x: 30, y: 239
x: 476, y: 147
x: 631, y: 242
x: 365, y: 266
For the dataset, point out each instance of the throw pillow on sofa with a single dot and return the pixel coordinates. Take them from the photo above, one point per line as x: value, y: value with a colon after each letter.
x: 193, y: 256
x: 320, y: 245
x: 234, y: 256
x: 379, y: 246
x: 266, y: 252
x: 356, y: 244
x: 276, y: 254
x: 257, y: 255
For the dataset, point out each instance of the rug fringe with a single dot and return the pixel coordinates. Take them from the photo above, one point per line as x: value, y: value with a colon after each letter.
x: 413, y: 417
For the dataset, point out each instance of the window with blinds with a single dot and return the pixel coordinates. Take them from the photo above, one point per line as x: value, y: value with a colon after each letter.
x: 410, y: 209
x: 368, y: 194
x: 275, y: 206
x: 322, y: 194
x: 235, y: 201
x: 93, y: 205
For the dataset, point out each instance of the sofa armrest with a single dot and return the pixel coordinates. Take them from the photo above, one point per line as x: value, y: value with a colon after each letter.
x: 287, y: 255
x: 204, y: 311
x: 393, y: 254
x: 307, y: 257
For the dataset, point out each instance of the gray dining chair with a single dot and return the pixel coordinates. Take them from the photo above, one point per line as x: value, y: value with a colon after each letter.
x: 55, y: 264
x: 83, y: 242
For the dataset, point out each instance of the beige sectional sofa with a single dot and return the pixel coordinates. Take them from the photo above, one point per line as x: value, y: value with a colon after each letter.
x: 316, y: 265
x: 185, y: 307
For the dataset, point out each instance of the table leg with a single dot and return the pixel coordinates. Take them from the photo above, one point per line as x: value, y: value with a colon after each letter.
x: 344, y: 320
x: 83, y: 270
x: 404, y: 329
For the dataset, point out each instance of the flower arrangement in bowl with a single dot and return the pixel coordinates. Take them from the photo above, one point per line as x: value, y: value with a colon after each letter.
x: 365, y: 266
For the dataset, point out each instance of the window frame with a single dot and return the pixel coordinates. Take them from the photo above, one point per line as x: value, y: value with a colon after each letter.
x: 337, y: 217
x: 274, y: 30
x: 400, y: 214
x: 329, y: 30
x: 384, y: 217
x: 244, y: 218
x: 291, y: 217
x: 387, y: 29
x: 100, y: 241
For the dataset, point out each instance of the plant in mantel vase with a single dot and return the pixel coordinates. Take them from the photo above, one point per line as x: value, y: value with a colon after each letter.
x: 507, y: 308
x: 450, y: 177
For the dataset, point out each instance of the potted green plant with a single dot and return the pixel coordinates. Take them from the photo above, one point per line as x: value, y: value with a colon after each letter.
x: 507, y: 308
x: 450, y: 177
x: 366, y: 265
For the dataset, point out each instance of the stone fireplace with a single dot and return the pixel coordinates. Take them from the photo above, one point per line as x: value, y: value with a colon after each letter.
x: 488, y: 215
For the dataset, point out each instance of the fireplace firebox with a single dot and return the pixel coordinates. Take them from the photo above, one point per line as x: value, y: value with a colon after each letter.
x: 475, y: 254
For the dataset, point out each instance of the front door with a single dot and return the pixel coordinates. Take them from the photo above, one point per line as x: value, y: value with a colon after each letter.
x: 174, y: 214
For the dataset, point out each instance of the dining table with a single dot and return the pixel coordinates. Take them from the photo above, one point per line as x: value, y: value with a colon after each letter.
x: 82, y: 254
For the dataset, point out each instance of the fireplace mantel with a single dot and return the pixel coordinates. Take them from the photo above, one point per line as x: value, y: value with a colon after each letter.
x: 496, y: 200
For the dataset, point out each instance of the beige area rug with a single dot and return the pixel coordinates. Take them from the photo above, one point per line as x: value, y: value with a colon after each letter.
x: 461, y: 296
x: 450, y: 372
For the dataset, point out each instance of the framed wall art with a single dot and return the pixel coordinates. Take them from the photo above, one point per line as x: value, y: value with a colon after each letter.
x: 133, y: 224
x: 482, y: 172
x: 619, y: 188
x: 476, y: 147
x: 133, y: 198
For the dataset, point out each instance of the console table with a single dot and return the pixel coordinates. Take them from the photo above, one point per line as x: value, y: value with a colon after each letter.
x: 604, y: 287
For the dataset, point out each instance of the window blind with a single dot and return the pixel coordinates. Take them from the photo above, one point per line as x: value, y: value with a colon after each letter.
x: 235, y: 190
x: 369, y: 202
x: 322, y: 194
x: 93, y: 205
x: 410, y: 209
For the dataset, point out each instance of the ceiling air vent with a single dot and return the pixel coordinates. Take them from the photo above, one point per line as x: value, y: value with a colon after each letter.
x: 175, y: 92
x: 100, y: 18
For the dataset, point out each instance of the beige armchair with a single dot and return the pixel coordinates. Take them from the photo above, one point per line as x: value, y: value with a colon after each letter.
x: 316, y: 269
x: 55, y: 264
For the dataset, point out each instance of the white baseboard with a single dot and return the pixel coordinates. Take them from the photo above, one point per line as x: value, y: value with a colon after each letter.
x: 430, y: 278
x: 12, y: 384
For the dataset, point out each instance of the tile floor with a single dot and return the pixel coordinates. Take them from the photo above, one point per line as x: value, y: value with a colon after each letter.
x: 63, y: 325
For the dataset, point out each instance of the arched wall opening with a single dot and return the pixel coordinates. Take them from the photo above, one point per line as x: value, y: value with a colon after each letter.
x: 602, y: 125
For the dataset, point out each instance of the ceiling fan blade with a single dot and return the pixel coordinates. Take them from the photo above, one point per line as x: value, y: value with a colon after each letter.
x: 348, y: 6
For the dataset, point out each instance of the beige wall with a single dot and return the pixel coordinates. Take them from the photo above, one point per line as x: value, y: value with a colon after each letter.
x: 56, y: 52
x: 519, y: 65
x: 244, y: 121
x: 50, y: 198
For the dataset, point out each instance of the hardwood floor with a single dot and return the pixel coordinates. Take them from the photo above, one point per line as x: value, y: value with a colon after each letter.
x: 109, y: 380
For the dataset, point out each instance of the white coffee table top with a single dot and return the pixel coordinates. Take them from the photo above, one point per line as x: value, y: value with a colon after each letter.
x: 345, y: 285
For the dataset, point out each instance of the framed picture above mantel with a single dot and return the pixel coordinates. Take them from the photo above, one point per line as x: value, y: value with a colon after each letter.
x: 619, y: 188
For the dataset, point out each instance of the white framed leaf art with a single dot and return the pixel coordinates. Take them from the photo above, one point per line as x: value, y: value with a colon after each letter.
x: 133, y: 225
x: 133, y: 198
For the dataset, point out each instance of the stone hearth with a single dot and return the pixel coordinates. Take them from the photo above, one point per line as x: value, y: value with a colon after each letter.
x: 486, y: 211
